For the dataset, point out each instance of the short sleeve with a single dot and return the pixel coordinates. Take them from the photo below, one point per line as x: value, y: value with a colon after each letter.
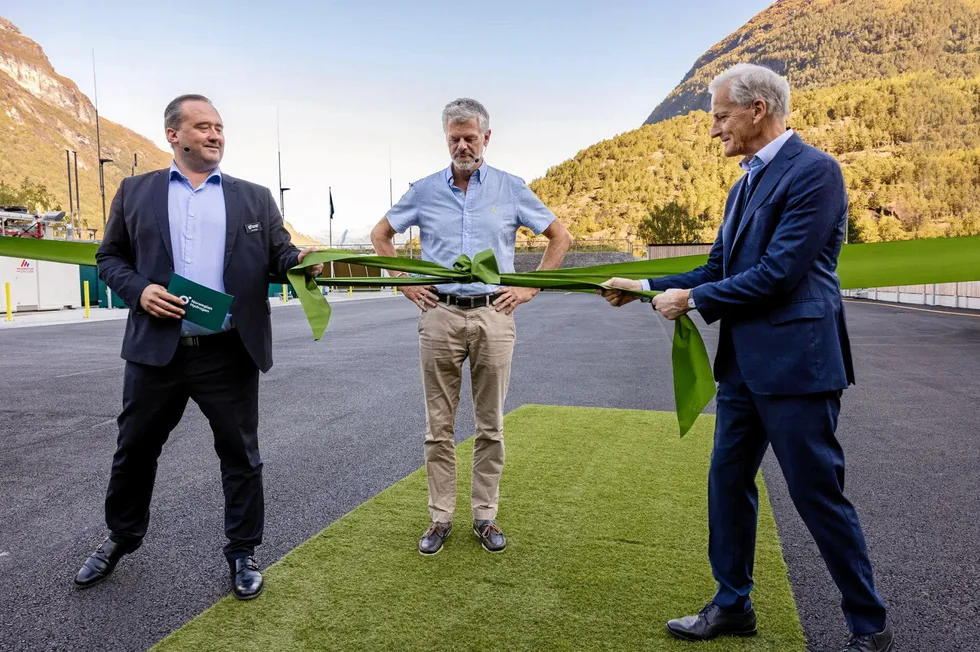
x: 405, y: 213
x: 531, y: 211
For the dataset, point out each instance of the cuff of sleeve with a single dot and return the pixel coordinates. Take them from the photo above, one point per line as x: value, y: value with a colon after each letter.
x: 704, y: 306
x: 645, y: 285
x: 133, y: 291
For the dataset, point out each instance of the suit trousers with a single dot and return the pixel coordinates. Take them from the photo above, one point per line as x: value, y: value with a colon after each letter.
x: 448, y: 335
x: 222, y: 379
x: 801, y: 430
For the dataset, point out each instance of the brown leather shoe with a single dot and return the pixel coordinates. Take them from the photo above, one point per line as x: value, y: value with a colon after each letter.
x: 492, y: 539
x: 431, y: 542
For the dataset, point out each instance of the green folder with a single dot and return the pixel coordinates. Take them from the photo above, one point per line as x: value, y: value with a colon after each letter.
x: 202, y: 305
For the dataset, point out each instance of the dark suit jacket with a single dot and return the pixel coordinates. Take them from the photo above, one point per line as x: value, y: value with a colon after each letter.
x: 773, y: 282
x: 136, y: 251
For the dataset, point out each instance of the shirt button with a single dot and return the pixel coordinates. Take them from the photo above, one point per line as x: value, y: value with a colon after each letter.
x: 192, y: 214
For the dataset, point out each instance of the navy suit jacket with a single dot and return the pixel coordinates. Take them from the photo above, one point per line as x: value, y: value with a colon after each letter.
x: 137, y: 251
x: 773, y: 281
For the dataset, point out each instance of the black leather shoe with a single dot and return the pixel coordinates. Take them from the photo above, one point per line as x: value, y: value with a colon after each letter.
x: 491, y: 537
x: 102, y: 562
x: 713, y: 622
x: 880, y: 642
x: 431, y: 542
x: 246, y: 578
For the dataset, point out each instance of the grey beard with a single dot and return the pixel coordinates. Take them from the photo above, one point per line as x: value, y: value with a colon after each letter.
x: 467, y: 166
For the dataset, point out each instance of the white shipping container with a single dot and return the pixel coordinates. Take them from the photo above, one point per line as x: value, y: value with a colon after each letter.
x: 39, y: 285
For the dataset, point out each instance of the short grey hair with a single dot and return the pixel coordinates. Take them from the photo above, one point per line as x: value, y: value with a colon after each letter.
x: 173, y: 115
x: 463, y: 110
x: 749, y: 82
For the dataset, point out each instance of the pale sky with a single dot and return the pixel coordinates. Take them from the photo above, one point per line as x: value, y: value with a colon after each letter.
x: 353, y: 81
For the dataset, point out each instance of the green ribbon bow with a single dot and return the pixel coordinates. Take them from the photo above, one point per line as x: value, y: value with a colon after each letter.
x: 694, y: 386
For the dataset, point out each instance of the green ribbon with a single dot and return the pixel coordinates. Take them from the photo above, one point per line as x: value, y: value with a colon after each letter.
x: 694, y: 386
x: 883, y: 264
x: 54, y: 251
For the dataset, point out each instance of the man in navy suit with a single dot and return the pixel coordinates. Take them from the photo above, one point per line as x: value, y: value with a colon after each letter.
x: 783, y: 356
x: 223, y: 233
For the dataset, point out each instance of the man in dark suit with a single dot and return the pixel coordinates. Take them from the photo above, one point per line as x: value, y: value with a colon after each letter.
x: 223, y: 233
x: 783, y: 356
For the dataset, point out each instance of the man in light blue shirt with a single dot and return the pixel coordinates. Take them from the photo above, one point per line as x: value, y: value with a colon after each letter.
x: 467, y: 208
x: 225, y: 234
x: 197, y: 234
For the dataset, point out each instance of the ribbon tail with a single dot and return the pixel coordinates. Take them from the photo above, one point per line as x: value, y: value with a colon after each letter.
x: 315, y: 305
x: 694, y: 385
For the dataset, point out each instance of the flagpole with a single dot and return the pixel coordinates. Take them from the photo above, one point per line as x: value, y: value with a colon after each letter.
x: 282, y: 191
x: 330, y: 220
x: 391, y: 198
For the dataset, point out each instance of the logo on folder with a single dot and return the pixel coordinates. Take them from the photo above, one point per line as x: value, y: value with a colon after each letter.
x: 203, y: 306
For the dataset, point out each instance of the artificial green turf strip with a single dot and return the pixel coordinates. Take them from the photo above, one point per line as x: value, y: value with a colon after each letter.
x: 606, y: 517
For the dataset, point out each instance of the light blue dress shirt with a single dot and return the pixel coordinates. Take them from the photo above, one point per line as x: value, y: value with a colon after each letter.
x: 486, y: 216
x: 753, y: 166
x: 197, y: 234
x: 765, y: 155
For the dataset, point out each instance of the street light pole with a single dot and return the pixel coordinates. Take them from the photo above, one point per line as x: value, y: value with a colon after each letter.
x: 71, y: 198
x: 98, y: 143
x: 78, y: 197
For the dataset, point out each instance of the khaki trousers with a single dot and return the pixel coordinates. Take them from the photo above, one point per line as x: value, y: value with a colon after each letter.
x: 447, y: 336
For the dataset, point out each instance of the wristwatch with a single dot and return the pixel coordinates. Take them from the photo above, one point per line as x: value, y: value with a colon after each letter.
x: 690, y: 301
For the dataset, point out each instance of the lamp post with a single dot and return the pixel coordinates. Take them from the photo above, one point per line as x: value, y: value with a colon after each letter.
x: 71, y: 197
x: 98, y: 142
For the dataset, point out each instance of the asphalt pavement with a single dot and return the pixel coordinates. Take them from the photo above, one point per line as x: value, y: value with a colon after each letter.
x: 342, y: 419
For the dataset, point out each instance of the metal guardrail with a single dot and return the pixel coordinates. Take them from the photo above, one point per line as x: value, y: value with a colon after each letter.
x: 536, y: 245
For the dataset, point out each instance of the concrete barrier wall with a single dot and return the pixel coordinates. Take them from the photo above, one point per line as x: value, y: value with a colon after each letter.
x: 952, y: 295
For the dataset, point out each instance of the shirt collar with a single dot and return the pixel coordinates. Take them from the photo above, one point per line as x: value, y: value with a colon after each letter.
x: 479, y: 174
x: 768, y: 153
x: 175, y: 173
